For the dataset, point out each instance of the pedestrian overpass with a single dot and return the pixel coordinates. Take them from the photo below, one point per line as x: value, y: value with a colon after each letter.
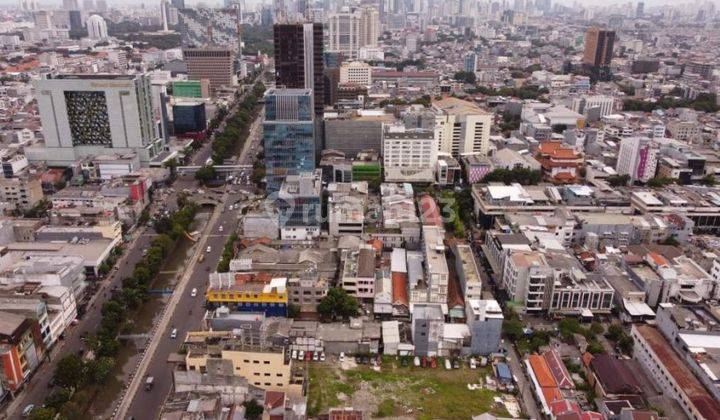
x: 220, y: 169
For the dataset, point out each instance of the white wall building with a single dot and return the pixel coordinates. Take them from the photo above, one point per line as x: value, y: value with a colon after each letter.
x: 409, y: 155
x: 461, y: 127
x: 637, y: 157
x: 356, y: 72
x: 87, y: 115
x: 96, y: 27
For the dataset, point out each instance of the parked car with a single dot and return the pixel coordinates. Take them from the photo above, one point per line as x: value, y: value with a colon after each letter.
x: 193, y: 292
x: 322, y: 356
x: 473, y: 363
x: 308, y: 356
x: 209, y: 249
x: 447, y: 364
x: 27, y: 410
x: 342, y: 356
x: 456, y: 364
x: 173, y: 333
x: 433, y: 362
x: 404, y: 361
x: 294, y: 354
x: 423, y: 362
x: 316, y: 357
x: 416, y: 361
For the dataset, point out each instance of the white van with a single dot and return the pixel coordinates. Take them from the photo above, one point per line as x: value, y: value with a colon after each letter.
x: 173, y: 334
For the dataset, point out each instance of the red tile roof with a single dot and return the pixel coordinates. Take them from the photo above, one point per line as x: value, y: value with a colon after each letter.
x: 399, y: 289
x: 429, y: 211
x: 689, y: 384
x: 558, y: 370
x: 542, y: 371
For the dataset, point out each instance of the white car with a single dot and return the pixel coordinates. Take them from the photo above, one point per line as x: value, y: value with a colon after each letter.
x: 342, y: 356
x: 220, y: 229
x: 294, y: 354
x: 473, y: 363
x: 193, y: 293
x: 209, y: 249
x: 173, y: 333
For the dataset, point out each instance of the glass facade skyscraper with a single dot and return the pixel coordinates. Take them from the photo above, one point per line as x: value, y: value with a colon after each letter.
x: 288, y: 134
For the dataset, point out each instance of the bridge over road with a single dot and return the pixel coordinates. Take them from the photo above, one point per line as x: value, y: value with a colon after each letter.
x: 220, y: 169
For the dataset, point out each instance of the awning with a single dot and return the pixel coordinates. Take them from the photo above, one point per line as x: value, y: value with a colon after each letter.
x: 634, y: 308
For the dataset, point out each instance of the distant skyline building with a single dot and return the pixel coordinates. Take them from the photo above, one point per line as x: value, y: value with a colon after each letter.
x: 349, y: 31
x: 299, y: 59
x: 598, y: 54
x: 216, y: 64
x: 640, y: 10
x: 90, y: 114
x: 288, y: 134
x: 96, y: 27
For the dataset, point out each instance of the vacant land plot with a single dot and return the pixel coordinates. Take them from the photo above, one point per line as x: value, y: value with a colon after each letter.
x: 399, y: 391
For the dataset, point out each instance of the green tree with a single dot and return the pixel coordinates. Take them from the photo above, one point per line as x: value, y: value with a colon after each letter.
x: 708, y: 180
x: 42, y: 413
x: 513, y: 328
x: 465, y: 77
x: 57, y: 398
x: 659, y: 182
x: 338, y: 304
x: 99, y: 370
x: 206, y: 174
x: 293, y: 310
x: 618, y: 180
x: 253, y: 410
x: 69, y: 371
x: 595, y: 348
x: 626, y: 344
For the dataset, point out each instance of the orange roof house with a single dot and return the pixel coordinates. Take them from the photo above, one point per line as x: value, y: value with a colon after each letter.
x: 560, y: 164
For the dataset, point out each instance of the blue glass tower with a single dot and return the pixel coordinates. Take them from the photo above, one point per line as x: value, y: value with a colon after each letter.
x: 288, y: 134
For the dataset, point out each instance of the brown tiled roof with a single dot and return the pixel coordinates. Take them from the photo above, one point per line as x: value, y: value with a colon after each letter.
x: 614, y: 375
x: 399, y: 289
x: 698, y: 395
x: 558, y: 370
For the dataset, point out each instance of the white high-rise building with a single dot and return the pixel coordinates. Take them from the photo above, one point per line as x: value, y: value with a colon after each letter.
x: 409, y: 155
x: 356, y: 72
x: 97, y: 28
x: 638, y: 158
x: 461, y: 127
x: 369, y: 26
x: 584, y: 104
x: 43, y: 20
x: 85, y: 115
x: 349, y: 31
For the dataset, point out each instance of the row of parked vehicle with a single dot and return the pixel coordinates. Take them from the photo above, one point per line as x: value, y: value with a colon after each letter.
x: 314, y: 356
x: 450, y: 362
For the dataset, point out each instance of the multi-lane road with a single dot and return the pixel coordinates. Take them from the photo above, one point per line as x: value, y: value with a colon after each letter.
x: 187, y: 312
x: 37, y: 388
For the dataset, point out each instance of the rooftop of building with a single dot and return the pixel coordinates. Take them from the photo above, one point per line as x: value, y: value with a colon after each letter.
x: 458, y: 106
x: 688, y: 383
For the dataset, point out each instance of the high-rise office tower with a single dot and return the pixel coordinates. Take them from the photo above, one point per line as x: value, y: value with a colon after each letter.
x: 75, y: 20
x: 43, y: 19
x: 344, y: 34
x: 369, y: 26
x: 85, y: 115
x: 599, y: 45
x: 178, y: 4
x: 299, y: 59
x: 164, y: 13
x: 71, y: 5
x: 97, y: 28
x: 288, y: 134
x: 216, y: 64
x: 598, y: 54
x: 640, y: 11
x: 349, y: 31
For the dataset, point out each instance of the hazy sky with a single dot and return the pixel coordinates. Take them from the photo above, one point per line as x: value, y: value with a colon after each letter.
x: 649, y: 3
